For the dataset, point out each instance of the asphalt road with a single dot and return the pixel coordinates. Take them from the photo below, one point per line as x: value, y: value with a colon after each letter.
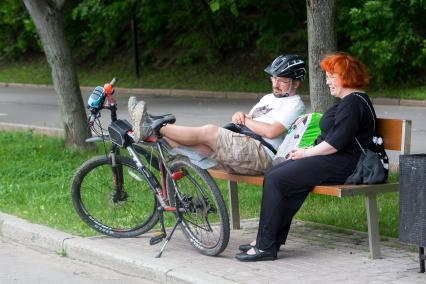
x: 20, y: 264
x: 39, y: 107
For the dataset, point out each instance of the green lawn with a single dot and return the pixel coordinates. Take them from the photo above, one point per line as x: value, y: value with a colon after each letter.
x: 36, y: 173
x: 194, y: 77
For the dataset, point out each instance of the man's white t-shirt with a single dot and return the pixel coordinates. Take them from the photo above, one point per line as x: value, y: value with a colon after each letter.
x: 284, y: 110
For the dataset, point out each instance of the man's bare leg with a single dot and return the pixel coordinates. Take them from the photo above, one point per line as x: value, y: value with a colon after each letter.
x: 201, y: 138
x: 202, y: 149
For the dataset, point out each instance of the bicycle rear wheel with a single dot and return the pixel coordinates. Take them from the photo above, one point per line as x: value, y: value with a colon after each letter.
x: 120, y: 207
x: 205, y: 222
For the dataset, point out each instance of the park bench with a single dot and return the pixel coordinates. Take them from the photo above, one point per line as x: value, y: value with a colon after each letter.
x: 397, y: 137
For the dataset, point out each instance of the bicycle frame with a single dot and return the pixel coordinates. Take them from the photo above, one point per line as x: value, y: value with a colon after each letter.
x: 154, y: 152
x: 159, y: 190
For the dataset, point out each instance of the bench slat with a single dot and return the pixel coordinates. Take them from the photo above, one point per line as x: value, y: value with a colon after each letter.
x: 340, y: 190
x: 343, y: 190
x: 256, y: 180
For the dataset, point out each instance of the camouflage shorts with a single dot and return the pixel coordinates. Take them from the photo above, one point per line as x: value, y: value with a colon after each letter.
x: 239, y: 154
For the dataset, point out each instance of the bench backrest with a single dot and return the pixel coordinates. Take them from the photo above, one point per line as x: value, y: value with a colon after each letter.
x: 396, y: 134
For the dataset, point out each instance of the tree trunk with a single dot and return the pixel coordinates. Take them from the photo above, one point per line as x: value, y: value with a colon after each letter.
x: 322, y: 40
x: 47, y: 16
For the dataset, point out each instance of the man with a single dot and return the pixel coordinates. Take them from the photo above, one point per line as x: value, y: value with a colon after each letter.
x: 235, y: 152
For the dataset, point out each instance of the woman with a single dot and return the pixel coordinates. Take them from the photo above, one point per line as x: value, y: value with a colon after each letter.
x: 330, y: 161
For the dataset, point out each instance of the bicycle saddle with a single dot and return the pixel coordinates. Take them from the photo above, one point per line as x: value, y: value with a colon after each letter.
x: 157, y: 121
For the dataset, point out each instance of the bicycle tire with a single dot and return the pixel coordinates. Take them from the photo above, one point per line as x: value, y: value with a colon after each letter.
x: 94, y: 199
x: 200, y: 195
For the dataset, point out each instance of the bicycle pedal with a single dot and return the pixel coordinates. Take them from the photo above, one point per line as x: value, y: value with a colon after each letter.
x: 155, y: 240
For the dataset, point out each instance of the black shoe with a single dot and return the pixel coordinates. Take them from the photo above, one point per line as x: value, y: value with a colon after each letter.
x: 245, y: 248
x: 258, y: 256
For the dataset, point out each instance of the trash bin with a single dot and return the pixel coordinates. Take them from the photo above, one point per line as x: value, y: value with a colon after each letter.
x: 412, y: 203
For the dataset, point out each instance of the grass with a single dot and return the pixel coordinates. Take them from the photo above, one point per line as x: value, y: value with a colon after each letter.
x: 194, y: 77
x: 186, y: 77
x: 35, y: 178
x: 36, y: 173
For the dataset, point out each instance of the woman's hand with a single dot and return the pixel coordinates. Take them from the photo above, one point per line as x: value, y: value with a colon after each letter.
x: 297, y: 154
x: 321, y: 149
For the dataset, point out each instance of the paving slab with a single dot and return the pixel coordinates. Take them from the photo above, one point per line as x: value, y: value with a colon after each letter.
x: 313, y: 254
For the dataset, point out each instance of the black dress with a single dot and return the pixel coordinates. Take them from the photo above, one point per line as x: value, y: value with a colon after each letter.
x: 287, y: 185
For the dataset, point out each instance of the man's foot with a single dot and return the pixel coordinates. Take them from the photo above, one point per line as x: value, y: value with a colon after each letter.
x: 140, y: 120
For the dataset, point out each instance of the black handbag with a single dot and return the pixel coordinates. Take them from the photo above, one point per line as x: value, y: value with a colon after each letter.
x: 370, y: 169
x: 240, y: 128
x: 373, y: 164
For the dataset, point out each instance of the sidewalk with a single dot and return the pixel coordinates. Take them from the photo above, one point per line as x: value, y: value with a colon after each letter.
x: 313, y: 254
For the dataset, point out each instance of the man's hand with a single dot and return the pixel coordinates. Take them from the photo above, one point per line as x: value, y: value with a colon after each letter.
x: 239, y: 118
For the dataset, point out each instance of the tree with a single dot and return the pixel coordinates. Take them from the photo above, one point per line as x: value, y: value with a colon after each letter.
x: 47, y: 16
x: 322, y: 40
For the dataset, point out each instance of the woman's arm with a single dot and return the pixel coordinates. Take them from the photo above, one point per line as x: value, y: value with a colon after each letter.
x: 321, y: 149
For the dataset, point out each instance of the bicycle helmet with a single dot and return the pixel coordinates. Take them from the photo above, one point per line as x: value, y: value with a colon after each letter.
x: 289, y: 66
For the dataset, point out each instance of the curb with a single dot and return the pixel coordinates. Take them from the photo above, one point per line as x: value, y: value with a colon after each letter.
x: 85, y: 249
x: 57, y: 132
x: 206, y: 94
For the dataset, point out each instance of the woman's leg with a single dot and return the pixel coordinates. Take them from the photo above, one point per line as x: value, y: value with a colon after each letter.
x: 276, y: 214
x: 286, y: 187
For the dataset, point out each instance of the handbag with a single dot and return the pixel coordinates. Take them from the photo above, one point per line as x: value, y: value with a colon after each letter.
x: 369, y: 170
x: 240, y: 128
x: 373, y: 164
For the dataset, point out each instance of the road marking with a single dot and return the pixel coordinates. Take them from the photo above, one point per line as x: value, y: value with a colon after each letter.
x: 3, y: 114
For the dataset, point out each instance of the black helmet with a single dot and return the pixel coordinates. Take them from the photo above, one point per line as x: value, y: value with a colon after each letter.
x: 289, y: 66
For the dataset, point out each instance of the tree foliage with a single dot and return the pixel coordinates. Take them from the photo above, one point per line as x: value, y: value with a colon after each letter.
x: 389, y: 35
x: 18, y: 34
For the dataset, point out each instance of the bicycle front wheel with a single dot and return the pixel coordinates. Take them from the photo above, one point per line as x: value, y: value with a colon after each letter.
x: 116, y: 203
x: 205, y: 220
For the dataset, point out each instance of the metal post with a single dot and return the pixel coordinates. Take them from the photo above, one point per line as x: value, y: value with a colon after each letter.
x: 422, y: 258
x: 373, y: 225
x: 233, y: 204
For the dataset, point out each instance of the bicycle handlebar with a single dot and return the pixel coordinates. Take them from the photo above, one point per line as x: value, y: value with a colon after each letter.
x: 108, y: 87
x: 97, y: 100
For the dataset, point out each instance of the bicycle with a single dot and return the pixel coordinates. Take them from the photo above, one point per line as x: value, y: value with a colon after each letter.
x: 120, y: 196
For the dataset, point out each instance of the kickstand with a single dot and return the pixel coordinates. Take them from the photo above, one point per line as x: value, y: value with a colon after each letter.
x: 158, y: 238
x: 178, y: 221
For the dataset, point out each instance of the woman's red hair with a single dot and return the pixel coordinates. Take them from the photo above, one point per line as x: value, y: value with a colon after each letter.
x: 351, y: 71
